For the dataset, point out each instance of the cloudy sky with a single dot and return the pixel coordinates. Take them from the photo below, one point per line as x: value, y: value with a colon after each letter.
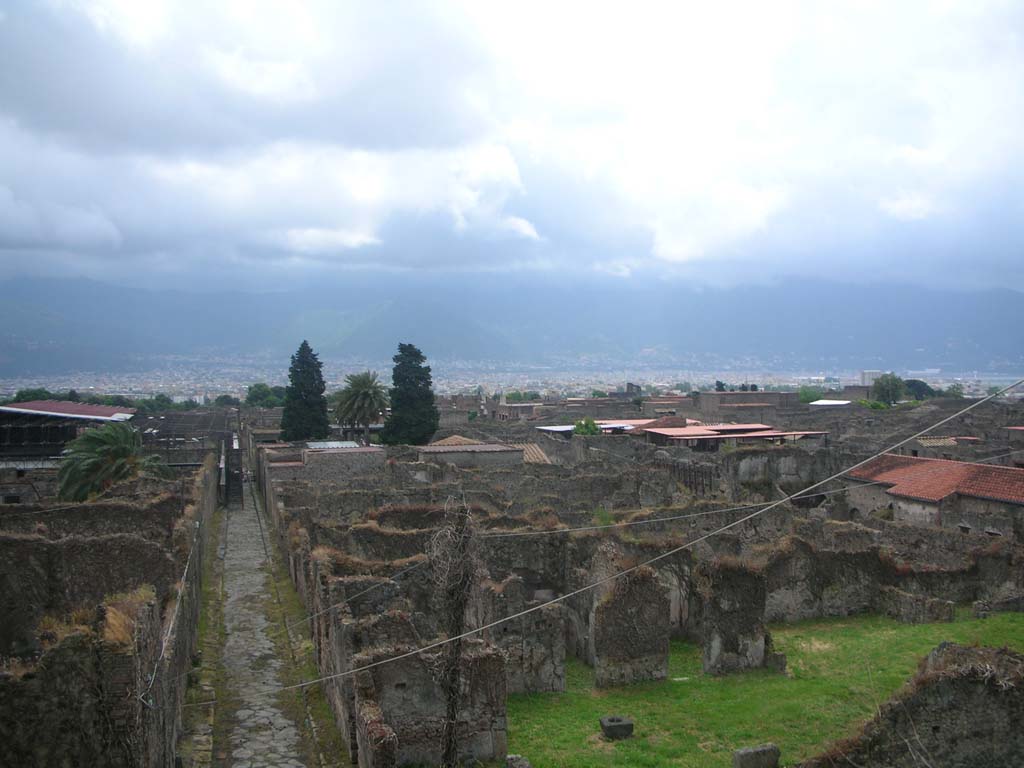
x: 180, y: 143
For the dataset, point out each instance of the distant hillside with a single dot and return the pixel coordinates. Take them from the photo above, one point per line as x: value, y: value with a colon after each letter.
x: 54, y: 326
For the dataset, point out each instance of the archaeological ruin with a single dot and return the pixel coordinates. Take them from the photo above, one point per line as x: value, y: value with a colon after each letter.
x: 600, y: 551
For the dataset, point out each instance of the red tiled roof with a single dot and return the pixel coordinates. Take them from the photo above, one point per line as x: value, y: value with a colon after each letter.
x: 1020, y: 429
x: 69, y: 409
x: 683, y: 431
x: 746, y: 435
x: 935, y: 479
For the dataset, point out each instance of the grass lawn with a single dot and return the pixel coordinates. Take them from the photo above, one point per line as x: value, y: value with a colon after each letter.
x: 839, y: 670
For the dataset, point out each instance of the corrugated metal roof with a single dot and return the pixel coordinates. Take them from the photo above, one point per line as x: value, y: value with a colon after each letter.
x: 71, y: 410
x: 320, y: 445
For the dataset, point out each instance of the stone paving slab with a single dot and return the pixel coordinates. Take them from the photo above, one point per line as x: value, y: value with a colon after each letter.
x: 263, y: 736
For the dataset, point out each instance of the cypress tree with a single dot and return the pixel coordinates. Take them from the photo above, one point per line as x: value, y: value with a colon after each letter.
x: 414, y: 417
x: 305, y: 407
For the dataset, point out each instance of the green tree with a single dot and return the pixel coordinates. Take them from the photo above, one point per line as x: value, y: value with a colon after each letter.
x: 888, y: 388
x: 305, y: 407
x: 993, y: 390
x: 34, y: 393
x: 262, y: 395
x: 917, y: 389
x: 100, y: 457
x: 362, y: 401
x: 586, y: 426
x: 598, y: 393
x: 522, y: 397
x: 224, y: 400
x: 414, y: 417
x: 753, y: 387
x: 719, y: 385
x: 810, y: 394
x: 953, y: 390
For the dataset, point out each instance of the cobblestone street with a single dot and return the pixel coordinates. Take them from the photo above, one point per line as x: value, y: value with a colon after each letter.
x: 263, y: 736
x: 246, y: 656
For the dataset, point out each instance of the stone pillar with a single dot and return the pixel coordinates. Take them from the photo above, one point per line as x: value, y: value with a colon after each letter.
x: 631, y: 631
x: 735, y: 637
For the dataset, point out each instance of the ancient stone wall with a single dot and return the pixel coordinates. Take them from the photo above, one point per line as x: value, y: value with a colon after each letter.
x: 152, y: 520
x: 400, y: 709
x: 40, y: 576
x: 126, y: 675
x: 630, y: 634
x: 735, y: 637
x: 534, y: 644
x: 964, y: 707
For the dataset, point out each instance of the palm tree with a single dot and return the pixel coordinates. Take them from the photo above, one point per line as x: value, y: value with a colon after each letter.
x: 100, y: 457
x: 362, y: 401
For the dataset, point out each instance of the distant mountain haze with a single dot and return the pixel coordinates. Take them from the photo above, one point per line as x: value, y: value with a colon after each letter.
x: 52, y: 326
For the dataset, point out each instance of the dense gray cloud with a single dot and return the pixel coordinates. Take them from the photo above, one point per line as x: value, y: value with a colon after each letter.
x: 294, y: 140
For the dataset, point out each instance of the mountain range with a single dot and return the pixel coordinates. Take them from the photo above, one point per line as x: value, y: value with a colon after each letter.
x: 51, y: 326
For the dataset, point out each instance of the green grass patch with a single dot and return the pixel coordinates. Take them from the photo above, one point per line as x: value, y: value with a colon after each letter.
x: 840, y: 670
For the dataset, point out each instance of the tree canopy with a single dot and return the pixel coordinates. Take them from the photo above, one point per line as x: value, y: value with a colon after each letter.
x: 516, y: 396
x: 305, y: 407
x: 586, y: 426
x: 917, y: 389
x: 888, y: 388
x: 100, y: 457
x: 414, y: 417
x: 362, y: 402
x: 263, y: 395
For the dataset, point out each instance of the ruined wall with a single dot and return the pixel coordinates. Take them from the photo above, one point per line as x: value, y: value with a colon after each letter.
x: 39, y: 576
x: 152, y: 520
x: 78, y: 705
x: 735, y: 637
x: 963, y: 708
x: 631, y: 632
x: 107, y: 673
x: 765, y: 471
x: 401, y: 709
x: 534, y: 644
x: 476, y: 459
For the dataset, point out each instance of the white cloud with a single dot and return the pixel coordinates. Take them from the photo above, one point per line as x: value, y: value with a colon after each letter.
x: 265, y: 78
x: 908, y: 206
x: 141, y: 24
x: 656, y: 137
x: 316, y: 240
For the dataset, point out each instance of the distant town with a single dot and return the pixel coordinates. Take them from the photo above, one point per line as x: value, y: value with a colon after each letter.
x: 184, y: 379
